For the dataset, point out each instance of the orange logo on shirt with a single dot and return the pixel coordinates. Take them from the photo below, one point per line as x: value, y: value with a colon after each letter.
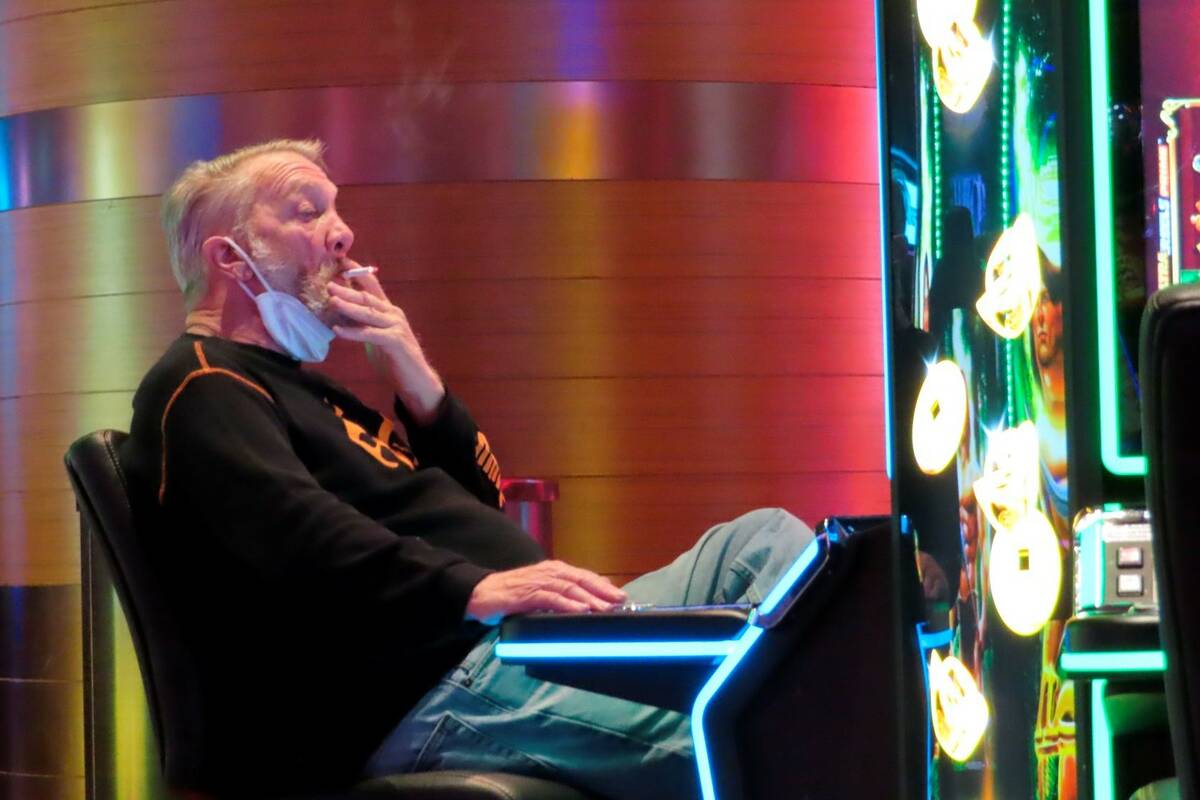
x: 488, y: 463
x: 376, y: 448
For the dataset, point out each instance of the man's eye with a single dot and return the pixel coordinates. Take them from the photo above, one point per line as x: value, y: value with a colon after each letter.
x: 308, y: 212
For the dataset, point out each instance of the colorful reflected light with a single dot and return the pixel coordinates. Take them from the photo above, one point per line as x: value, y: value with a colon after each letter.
x: 1025, y: 573
x: 940, y: 417
x: 1008, y: 489
x: 1012, y: 280
x: 957, y: 708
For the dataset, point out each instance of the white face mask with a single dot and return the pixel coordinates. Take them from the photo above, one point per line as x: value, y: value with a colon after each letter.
x: 291, y: 324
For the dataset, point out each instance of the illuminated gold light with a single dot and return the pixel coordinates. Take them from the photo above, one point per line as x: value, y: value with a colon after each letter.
x: 957, y: 708
x: 1012, y: 280
x: 962, y: 65
x: 1008, y: 489
x: 1025, y: 573
x: 938, y: 17
x: 940, y: 417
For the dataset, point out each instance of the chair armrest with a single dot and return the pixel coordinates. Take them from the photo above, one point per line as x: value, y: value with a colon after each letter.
x: 660, y: 656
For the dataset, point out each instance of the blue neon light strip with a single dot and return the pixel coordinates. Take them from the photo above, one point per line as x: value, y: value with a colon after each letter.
x: 6, y: 178
x: 794, y: 573
x: 884, y: 236
x: 731, y: 651
x: 931, y: 641
x: 743, y: 645
x: 718, y: 648
x: 1101, y: 662
x: 707, y: 693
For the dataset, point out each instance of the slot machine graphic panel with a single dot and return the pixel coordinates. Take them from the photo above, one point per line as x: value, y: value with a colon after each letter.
x: 977, y: 287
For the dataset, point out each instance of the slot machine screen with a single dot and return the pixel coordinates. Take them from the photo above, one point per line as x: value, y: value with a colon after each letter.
x: 975, y: 286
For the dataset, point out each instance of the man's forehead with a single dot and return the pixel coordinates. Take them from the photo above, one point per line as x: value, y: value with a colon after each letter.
x: 281, y: 174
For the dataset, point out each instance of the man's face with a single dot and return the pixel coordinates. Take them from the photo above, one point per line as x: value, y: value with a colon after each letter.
x: 295, y: 234
x: 1047, y: 329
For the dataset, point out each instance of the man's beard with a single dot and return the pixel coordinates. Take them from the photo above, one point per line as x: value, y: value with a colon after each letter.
x: 311, y: 288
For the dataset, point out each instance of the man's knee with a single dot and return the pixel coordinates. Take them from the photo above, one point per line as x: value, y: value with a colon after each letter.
x: 770, y: 520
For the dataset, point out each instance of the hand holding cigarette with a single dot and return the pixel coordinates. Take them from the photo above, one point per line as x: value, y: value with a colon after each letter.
x: 370, y: 317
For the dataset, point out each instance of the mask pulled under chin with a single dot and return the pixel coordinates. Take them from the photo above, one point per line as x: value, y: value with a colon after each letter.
x: 291, y: 324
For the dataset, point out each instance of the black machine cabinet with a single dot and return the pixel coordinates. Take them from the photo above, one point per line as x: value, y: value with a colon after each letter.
x: 1170, y: 368
x: 830, y: 668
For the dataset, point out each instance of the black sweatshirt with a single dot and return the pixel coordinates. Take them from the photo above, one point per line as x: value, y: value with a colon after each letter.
x: 319, y: 559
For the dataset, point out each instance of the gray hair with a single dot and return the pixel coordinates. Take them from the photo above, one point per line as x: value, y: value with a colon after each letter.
x: 213, y: 193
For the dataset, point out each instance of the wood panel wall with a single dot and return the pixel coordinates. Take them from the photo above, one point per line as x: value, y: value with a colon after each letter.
x: 674, y: 352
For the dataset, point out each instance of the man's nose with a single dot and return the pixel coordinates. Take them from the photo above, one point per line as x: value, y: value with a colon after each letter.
x: 341, y: 238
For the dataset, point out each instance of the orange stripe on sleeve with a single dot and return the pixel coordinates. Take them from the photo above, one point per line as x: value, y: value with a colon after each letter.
x: 200, y: 356
x: 204, y: 370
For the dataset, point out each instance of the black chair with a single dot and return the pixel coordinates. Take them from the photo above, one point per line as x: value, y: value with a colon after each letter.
x: 175, y: 705
x: 1169, y: 372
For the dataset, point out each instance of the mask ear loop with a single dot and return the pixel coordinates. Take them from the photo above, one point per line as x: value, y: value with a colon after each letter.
x: 237, y: 248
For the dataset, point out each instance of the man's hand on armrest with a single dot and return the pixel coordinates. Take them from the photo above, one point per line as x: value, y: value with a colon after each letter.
x: 545, y: 586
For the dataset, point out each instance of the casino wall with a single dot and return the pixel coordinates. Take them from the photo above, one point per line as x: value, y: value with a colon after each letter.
x: 640, y: 239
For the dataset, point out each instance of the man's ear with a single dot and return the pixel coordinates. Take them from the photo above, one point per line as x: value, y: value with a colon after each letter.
x: 224, y: 260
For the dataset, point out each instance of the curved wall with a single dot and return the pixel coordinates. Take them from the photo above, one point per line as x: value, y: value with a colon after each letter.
x: 640, y: 239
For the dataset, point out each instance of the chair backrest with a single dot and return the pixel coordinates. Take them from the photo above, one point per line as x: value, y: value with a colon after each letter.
x: 1169, y: 374
x: 172, y: 687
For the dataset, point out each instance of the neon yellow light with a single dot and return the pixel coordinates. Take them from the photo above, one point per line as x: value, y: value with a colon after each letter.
x: 956, y: 706
x: 132, y: 747
x: 940, y: 417
x: 938, y: 17
x: 962, y: 59
x: 1008, y: 489
x: 1012, y: 280
x: 1025, y: 573
x: 962, y: 66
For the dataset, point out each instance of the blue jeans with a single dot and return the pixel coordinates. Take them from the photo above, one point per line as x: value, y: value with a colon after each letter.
x: 484, y: 715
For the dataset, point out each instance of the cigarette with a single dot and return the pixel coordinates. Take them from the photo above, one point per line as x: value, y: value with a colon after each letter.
x: 359, y: 271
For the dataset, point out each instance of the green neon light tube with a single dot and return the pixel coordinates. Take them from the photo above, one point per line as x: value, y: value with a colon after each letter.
x: 1102, y: 767
x: 1091, y: 566
x: 1106, y: 304
x: 1115, y: 661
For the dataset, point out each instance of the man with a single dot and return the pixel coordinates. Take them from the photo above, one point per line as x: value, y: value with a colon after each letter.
x: 336, y: 574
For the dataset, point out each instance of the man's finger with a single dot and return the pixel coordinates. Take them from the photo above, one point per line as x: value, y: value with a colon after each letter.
x: 361, y: 333
x: 351, y: 332
x: 595, y: 603
x: 604, y: 588
x: 372, y: 284
x: 596, y: 584
x: 361, y: 313
x: 361, y: 297
x: 545, y: 600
